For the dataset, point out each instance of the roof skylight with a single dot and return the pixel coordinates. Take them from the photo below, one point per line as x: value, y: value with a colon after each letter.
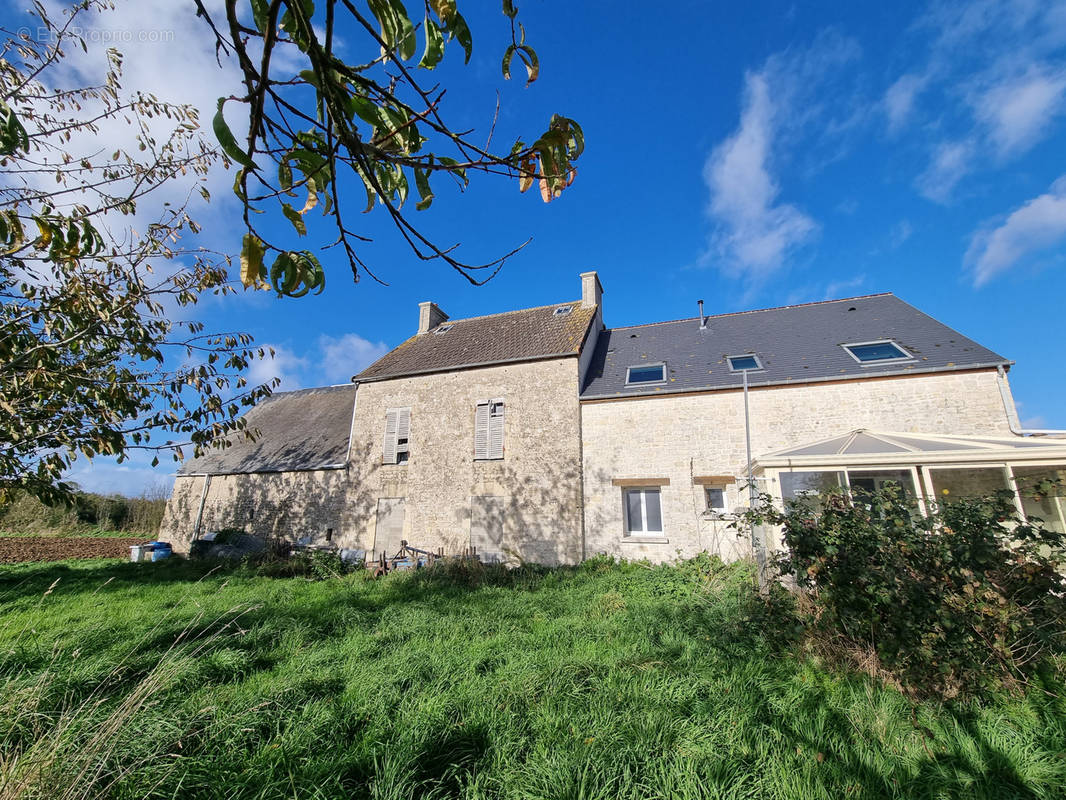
x: 877, y: 352
x: 646, y: 373
x: 744, y: 363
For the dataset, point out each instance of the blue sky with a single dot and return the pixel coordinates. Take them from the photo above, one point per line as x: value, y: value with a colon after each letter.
x: 749, y: 154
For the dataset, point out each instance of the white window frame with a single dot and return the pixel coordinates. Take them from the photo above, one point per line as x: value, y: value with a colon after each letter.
x: 562, y: 311
x: 905, y: 357
x: 629, y: 370
x: 441, y: 329
x: 643, y: 492
x: 490, y: 424
x: 397, y: 421
x: 758, y: 362
x: 726, y: 508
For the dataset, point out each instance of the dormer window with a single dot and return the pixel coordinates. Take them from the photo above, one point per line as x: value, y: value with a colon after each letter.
x: 745, y: 363
x: 646, y: 373
x: 562, y: 311
x: 877, y: 352
x: 443, y: 329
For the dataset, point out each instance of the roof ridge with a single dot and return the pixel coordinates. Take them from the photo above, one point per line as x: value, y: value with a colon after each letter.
x: 307, y: 389
x: 512, y: 311
x: 754, y: 311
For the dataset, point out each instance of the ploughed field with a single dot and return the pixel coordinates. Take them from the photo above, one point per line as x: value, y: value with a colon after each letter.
x: 180, y: 679
x: 15, y: 549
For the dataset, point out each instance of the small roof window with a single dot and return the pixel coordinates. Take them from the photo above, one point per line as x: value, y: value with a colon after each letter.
x: 443, y: 328
x: 744, y: 363
x: 646, y: 373
x: 562, y: 311
x: 877, y: 352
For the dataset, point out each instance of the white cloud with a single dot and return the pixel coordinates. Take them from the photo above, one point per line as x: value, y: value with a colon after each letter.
x: 993, y: 76
x: 285, y: 365
x: 951, y: 161
x: 334, y: 359
x: 103, y: 476
x: 1035, y: 227
x: 835, y: 290
x: 901, y: 232
x: 167, y: 52
x: 1019, y: 111
x: 343, y: 356
x: 899, y: 100
x: 801, y: 96
x: 754, y: 234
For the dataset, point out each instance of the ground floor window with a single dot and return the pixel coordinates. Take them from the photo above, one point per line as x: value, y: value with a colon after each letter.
x: 796, y: 485
x: 1039, y: 490
x: 1043, y: 495
x: 717, y: 501
x: 643, y: 511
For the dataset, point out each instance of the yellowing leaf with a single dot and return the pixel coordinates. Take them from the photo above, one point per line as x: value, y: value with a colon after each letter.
x: 252, y: 261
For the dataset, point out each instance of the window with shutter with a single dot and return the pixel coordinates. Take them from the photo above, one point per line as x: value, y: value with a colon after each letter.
x: 403, y: 432
x: 396, y: 449
x: 481, y: 432
x: 488, y: 430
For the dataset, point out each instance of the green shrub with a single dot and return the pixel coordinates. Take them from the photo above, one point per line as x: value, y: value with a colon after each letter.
x: 85, y: 514
x: 952, y: 603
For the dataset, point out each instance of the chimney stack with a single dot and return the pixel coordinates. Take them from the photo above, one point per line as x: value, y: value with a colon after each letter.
x: 591, y: 290
x: 429, y: 317
x: 703, y: 319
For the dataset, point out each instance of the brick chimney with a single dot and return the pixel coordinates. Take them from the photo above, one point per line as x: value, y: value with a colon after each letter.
x: 429, y: 317
x: 591, y: 290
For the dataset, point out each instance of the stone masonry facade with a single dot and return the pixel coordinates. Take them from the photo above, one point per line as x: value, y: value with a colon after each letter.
x: 677, y: 440
x: 588, y: 427
x: 285, y: 505
x: 525, y: 506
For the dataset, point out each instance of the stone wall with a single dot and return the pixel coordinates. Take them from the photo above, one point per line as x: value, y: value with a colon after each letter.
x: 526, y: 506
x: 682, y: 438
x: 286, y: 505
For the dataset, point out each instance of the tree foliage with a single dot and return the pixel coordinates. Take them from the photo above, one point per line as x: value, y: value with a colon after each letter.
x: 371, y: 120
x: 951, y: 602
x: 94, y: 359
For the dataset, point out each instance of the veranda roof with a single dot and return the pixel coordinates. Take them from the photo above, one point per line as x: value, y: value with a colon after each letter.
x: 864, y: 446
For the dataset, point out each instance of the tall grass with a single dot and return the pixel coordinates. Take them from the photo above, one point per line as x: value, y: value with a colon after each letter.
x: 603, y: 681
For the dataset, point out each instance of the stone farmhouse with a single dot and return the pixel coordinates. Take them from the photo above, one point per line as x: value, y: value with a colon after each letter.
x: 541, y: 435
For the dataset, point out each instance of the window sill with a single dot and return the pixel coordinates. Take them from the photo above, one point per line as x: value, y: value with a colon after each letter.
x: 645, y: 540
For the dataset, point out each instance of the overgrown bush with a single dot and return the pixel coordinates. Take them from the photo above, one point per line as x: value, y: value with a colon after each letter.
x: 952, y: 603
x: 86, y: 512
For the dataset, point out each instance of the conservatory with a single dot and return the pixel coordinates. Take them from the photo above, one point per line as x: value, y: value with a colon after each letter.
x: 928, y: 467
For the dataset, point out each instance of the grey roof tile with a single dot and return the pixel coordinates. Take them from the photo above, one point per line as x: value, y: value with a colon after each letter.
x: 302, y: 430
x: 527, y: 334
x: 796, y: 344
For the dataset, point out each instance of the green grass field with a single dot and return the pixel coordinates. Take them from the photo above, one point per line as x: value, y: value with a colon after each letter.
x: 604, y: 681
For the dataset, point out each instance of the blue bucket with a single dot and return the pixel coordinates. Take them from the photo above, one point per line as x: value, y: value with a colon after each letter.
x: 161, y: 550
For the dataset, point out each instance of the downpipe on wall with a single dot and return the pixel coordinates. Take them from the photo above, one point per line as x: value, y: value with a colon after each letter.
x: 1012, y: 412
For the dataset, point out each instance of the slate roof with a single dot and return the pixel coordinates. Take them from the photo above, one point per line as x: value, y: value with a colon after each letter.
x: 796, y: 344
x: 302, y: 430
x: 524, y: 335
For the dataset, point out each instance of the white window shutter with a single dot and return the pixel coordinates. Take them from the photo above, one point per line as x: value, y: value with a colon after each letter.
x: 495, y: 434
x: 388, y: 454
x: 481, y: 431
x: 403, y: 423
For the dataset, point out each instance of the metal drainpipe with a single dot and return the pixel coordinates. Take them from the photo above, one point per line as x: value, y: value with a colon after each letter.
x: 758, y: 550
x: 1012, y: 413
x: 200, y: 512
